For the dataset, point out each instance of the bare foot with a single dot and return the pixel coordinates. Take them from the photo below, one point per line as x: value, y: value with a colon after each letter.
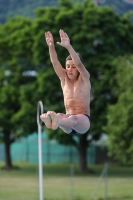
x: 54, y: 118
x: 47, y: 120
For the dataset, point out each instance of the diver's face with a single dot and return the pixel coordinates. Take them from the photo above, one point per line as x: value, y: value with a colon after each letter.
x: 71, y: 69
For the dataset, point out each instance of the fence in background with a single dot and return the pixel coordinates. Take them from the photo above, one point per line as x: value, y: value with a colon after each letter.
x: 2, y: 152
x: 26, y: 149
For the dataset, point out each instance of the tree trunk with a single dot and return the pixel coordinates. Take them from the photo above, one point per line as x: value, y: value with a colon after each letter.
x: 83, y: 153
x: 7, y: 142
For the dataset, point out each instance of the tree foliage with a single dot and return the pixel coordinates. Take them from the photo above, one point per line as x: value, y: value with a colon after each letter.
x: 120, y: 115
x: 15, y: 56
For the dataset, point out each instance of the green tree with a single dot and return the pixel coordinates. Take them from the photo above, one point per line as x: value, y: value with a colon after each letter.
x: 15, y: 56
x: 120, y: 115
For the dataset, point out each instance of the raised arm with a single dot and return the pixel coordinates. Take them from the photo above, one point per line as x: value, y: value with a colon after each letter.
x: 60, y: 71
x: 65, y: 42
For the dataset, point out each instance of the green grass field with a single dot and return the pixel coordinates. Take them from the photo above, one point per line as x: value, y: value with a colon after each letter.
x: 22, y: 184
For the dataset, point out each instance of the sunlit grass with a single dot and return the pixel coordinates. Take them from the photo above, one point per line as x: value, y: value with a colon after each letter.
x: 59, y: 185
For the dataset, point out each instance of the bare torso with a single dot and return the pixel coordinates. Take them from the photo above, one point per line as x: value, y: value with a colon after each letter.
x: 76, y: 95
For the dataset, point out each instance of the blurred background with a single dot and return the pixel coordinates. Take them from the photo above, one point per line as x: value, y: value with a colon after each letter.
x: 99, y: 164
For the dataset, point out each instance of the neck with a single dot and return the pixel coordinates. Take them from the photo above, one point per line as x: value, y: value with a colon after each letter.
x: 73, y: 80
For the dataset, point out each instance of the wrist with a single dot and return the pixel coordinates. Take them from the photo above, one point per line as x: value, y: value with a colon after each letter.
x: 51, y: 46
x: 69, y: 47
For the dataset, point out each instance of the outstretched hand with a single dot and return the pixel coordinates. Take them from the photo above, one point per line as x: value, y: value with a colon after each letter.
x: 65, y: 41
x: 49, y: 38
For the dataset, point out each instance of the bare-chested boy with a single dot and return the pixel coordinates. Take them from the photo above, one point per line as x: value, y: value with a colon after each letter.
x: 75, y: 83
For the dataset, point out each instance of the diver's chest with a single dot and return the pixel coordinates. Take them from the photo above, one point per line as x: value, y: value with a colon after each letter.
x: 76, y: 88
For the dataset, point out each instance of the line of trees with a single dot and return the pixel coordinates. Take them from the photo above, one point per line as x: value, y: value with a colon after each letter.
x: 27, y: 76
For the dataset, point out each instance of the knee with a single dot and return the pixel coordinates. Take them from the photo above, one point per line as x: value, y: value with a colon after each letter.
x: 62, y: 115
x: 75, y: 119
x: 59, y: 114
x: 50, y: 112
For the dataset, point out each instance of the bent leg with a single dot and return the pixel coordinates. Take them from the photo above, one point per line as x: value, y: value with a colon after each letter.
x: 80, y: 123
x: 64, y: 128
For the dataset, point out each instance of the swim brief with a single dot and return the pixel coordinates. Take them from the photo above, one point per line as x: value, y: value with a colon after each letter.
x: 73, y: 131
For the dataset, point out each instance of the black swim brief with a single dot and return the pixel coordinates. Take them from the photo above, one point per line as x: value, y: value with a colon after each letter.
x: 73, y: 131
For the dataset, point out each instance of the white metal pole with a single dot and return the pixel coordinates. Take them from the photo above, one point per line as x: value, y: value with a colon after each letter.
x: 39, y: 112
x: 98, y: 183
x: 106, y: 181
x: 72, y: 181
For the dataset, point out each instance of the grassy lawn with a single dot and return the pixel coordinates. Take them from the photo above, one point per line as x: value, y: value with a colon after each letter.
x: 22, y: 184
